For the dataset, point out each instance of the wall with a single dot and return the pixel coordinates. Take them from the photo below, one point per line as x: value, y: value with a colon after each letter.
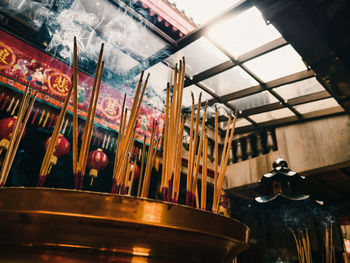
x: 307, y: 147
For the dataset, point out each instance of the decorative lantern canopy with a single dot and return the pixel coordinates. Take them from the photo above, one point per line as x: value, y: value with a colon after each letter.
x: 6, y: 128
x: 97, y: 161
x: 62, y: 148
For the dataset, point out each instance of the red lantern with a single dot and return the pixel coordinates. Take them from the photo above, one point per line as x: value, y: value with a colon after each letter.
x: 62, y: 148
x: 7, y: 126
x: 136, y: 173
x: 97, y: 161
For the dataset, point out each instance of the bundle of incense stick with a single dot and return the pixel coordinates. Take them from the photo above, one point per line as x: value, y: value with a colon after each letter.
x: 329, y: 246
x: 224, y: 159
x: 45, y: 166
x: 195, y: 166
x: 302, y: 242
x: 80, y: 161
x: 24, y: 112
x: 151, y: 155
x: 126, y: 136
x: 192, y: 150
x: 172, y: 135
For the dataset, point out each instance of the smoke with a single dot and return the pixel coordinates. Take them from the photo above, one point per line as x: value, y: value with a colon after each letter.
x: 33, y: 12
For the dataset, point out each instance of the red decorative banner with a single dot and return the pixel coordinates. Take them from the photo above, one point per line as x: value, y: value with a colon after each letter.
x: 20, y: 62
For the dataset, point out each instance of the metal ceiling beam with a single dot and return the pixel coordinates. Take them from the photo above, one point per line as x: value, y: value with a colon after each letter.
x: 273, y: 45
x: 293, y: 102
x: 261, y: 83
x: 269, y: 85
x: 336, y: 111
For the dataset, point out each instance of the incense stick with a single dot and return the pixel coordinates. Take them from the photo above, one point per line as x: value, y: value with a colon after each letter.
x: 52, y: 143
x: 204, y: 175
x: 216, y: 154
x: 194, y: 147
x: 223, y: 166
x: 75, y: 107
x: 19, y: 137
x: 86, y: 143
x: 165, y: 147
x: 17, y: 131
x: 142, y: 166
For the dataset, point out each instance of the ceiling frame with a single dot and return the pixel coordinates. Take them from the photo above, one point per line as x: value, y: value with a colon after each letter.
x: 232, y: 62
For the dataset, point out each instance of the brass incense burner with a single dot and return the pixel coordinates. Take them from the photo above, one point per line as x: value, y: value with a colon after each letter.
x: 56, y: 225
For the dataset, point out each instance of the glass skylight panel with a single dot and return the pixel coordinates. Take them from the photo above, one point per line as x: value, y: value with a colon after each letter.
x: 202, y: 11
x: 200, y: 55
x: 187, y: 99
x: 276, y: 64
x: 272, y: 115
x: 300, y: 88
x: 253, y: 101
x: 229, y: 81
x: 244, y: 32
x: 317, y: 105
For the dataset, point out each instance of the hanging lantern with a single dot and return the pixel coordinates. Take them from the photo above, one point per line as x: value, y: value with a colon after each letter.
x: 62, y: 148
x: 97, y: 161
x: 6, y: 128
x: 136, y: 172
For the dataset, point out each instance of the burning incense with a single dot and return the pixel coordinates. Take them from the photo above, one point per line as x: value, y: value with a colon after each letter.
x: 87, y: 134
x: 190, y: 152
x: 200, y: 149
x: 165, y: 148
x: 204, y: 175
x: 172, y: 137
x: 177, y: 175
x: 223, y: 166
x: 189, y: 195
x: 24, y: 112
x: 145, y: 185
x: 129, y: 137
x: 75, y: 107
x: 142, y: 165
x: 216, y: 156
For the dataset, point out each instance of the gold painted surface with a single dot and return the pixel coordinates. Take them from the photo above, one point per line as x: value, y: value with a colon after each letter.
x: 88, y: 226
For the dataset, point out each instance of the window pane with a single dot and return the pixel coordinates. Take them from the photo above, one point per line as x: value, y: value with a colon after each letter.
x: 276, y: 64
x: 300, y: 88
x: 253, y: 101
x: 186, y: 97
x: 231, y: 80
x: 202, y: 11
x: 200, y: 55
x: 243, y: 33
x: 272, y: 115
x: 317, y: 105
